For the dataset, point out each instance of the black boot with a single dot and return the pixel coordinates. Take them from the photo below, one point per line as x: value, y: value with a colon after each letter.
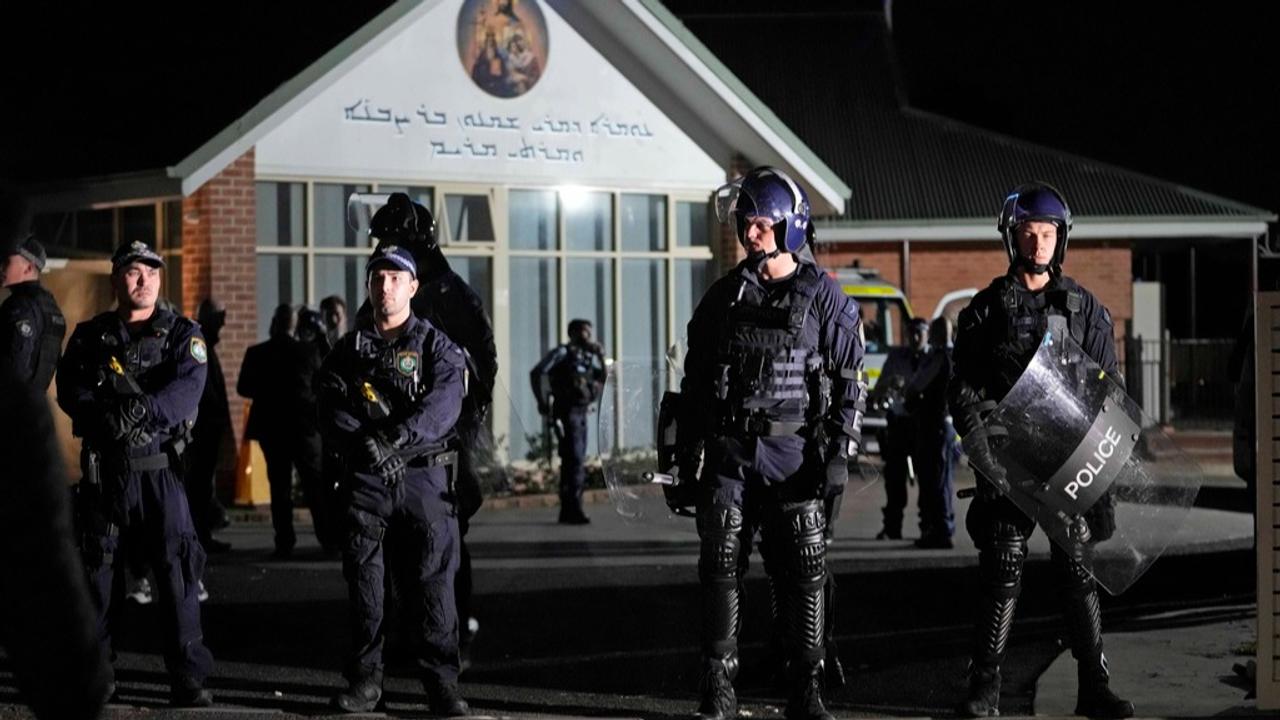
x: 361, y: 696
x: 804, y: 701
x: 715, y: 687
x: 1095, y: 698
x: 984, y: 692
x: 445, y: 700
x: 1083, y: 616
x: 190, y: 697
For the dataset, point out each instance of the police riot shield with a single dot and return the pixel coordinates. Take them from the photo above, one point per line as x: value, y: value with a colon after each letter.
x: 486, y: 446
x: 1077, y: 455
x: 637, y: 442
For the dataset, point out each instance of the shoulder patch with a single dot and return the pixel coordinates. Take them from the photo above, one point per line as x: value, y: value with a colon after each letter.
x: 199, y: 351
x: 407, y: 362
x: 25, y: 329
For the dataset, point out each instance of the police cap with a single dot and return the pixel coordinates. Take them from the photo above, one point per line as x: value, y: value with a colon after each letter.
x: 395, y: 256
x: 33, y: 251
x: 136, y: 251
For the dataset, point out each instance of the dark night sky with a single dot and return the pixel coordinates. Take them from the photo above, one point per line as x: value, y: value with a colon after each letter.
x: 1187, y: 92
x: 1181, y: 91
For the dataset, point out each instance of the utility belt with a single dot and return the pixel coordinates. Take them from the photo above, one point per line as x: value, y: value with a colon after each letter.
x: 757, y: 425
x: 416, y: 458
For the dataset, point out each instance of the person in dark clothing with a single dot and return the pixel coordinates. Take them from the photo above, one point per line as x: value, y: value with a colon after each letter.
x: 47, y: 619
x: 316, y: 471
x: 567, y: 382
x: 131, y: 381
x: 898, y: 439
x: 390, y: 393
x: 999, y: 333
x: 211, y: 431
x: 770, y: 414
x: 933, y: 448
x: 31, y: 325
x: 452, y: 306
x: 333, y: 311
x: 277, y: 376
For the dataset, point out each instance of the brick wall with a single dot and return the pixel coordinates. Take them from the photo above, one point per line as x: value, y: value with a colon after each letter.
x: 1104, y: 267
x: 218, y: 260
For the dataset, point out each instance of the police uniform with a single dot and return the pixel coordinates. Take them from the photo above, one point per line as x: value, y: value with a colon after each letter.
x: 998, y: 334
x: 130, y: 491
x: 31, y: 326
x: 576, y: 375
x: 402, y: 394
x: 933, y: 446
x: 898, y: 439
x: 771, y: 384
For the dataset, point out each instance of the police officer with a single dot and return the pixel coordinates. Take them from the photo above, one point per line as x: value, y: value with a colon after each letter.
x: 31, y: 325
x: 131, y: 380
x: 997, y: 336
x: 773, y: 396
x: 213, y: 426
x: 898, y: 439
x: 933, y: 445
x: 390, y: 393
x: 566, y: 382
x: 450, y: 304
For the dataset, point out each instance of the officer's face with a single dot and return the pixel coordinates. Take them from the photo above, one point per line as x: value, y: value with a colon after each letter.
x: 137, y: 286
x: 16, y: 269
x: 390, y: 291
x: 759, y: 236
x: 1037, y: 240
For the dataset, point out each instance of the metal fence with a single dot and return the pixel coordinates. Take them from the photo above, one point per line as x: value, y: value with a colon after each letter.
x: 1182, y: 381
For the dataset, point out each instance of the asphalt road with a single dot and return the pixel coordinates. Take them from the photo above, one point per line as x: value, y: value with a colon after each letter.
x: 603, y: 623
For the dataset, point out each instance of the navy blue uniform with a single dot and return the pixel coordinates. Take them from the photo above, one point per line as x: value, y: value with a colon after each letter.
x: 139, y: 498
x: 576, y: 376
x: 898, y: 439
x: 997, y: 336
x: 31, y: 332
x: 411, y: 528
x: 933, y: 445
x: 772, y: 386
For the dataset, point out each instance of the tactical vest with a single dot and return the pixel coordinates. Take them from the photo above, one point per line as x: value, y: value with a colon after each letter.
x: 142, y: 353
x: 1023, y: 318
x: 769, y: 377
x: 573, y: 379
x: 394, y: 370
x: 55, y: 329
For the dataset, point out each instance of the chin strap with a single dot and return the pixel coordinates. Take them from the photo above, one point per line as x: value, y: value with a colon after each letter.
x: 761, y: 258
x: 1031, y: 267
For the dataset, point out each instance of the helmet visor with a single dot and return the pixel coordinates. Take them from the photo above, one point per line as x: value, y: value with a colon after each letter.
x: 360, y: 210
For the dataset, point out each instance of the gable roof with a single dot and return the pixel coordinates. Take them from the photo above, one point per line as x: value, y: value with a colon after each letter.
x: 645, y: 41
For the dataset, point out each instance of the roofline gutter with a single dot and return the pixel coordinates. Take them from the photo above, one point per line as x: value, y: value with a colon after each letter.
x: 135, y: 188
x: 1084, y: 229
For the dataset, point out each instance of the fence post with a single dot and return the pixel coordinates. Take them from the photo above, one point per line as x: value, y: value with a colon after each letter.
x: 1166, y: 381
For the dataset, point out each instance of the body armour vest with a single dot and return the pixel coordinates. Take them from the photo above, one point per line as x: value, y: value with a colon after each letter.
x: 768, y: 365
x: 573, y: 379
x: 55, y: 329
x: 394, y: 370
x: 1022, y: 317
x: 141, y: 354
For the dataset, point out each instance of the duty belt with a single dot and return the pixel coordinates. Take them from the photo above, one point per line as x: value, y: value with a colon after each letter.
x: 431, y: 459
x: 762, y: 426
x: 145, y: 463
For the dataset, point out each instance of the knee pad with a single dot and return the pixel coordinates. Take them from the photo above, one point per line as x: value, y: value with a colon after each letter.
x: 1000, y: 560
x: 803, y: 551
x: 719, y: 526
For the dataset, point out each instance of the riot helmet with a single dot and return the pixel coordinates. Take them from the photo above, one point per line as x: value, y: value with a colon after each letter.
x: 403, y: 222
x: 769, y: 193
x: 1030, y: 202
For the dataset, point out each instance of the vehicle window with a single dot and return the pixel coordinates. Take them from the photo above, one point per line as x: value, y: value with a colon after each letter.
x: 883, y: 323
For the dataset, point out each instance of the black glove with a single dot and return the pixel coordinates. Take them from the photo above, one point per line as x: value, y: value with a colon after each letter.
x: 837, y: 469
x: 124, y: 417
x: 991, y: 479
x: 685, y: 493
x: 1101, y: 518
x: 381, y: 459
